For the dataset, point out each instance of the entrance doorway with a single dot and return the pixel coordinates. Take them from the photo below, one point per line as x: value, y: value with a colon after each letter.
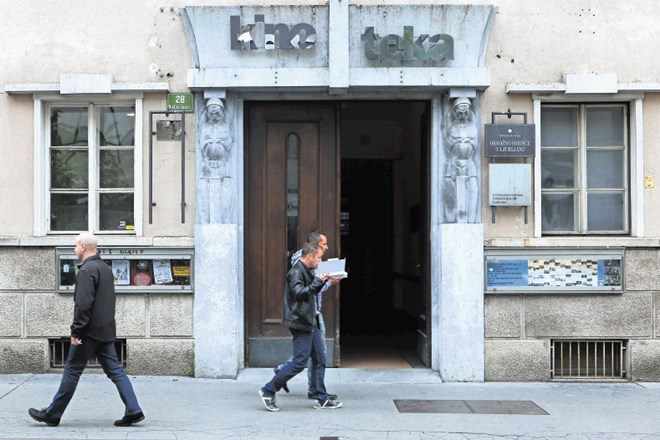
x: 363, y: 182
x: 384, y: 156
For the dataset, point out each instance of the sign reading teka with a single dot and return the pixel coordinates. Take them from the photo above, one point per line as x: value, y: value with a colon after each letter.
x: 394, y: 47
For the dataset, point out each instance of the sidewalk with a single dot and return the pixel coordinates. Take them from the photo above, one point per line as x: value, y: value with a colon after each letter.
x: 201, y: 409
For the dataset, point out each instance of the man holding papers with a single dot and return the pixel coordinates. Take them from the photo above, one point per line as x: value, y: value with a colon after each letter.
x: 302, y: 287
x: 321, y: 240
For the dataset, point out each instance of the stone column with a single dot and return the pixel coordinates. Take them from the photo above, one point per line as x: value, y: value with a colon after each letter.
x: 458, y: 315
x: 218, y: 307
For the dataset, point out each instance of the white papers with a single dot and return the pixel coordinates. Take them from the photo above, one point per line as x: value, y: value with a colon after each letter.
x: 334, y: 267
x: 162, y: 272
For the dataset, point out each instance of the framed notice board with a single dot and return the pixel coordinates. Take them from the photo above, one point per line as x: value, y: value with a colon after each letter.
x: 554, y: 271
x: 135, y: 269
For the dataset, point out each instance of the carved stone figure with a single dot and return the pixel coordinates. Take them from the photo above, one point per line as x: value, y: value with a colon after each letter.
x: 216, y: 201
x: 460, y: 184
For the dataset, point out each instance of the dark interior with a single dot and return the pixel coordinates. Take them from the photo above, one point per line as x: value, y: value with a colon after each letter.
x: 376, y: 329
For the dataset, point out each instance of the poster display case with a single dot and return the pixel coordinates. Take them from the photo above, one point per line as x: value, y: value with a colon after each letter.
x: 139, y: 270
x: 554, y: 271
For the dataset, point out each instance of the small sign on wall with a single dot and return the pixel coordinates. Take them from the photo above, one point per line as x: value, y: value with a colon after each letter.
x: 509, y: 184
x: 514, y: 140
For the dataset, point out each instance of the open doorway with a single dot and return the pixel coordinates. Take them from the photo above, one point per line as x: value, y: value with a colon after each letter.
x: 383, y: 232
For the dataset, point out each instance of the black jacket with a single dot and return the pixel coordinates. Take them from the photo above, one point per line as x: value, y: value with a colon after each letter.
x: 94, y: 301
x: 300, y: 298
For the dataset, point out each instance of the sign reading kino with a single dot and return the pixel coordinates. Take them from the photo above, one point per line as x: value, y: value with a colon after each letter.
x: 391, y: 47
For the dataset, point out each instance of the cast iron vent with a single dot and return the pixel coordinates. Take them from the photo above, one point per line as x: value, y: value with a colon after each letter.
x: 582, y: 359
x: 59, y: 351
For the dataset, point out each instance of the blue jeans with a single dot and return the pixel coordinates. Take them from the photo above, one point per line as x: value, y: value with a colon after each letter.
x: 309, y: 363
x: 306, y: 344
x: 74, y: 367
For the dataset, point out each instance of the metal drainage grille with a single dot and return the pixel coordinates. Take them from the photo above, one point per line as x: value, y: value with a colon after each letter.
x: 524, y: 407
x: 582, y: 359
x: 59, y: 352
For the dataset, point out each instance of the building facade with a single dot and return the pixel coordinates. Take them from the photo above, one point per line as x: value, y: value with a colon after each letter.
x: 486, y: 169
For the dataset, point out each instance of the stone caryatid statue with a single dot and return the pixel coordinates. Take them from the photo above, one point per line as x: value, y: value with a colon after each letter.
x: 216, y: 203
x: 460, y: 179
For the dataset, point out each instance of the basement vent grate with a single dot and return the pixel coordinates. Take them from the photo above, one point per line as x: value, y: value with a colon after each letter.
x: 59, y: 352
x: 524, y: 407
x: 595, y: 360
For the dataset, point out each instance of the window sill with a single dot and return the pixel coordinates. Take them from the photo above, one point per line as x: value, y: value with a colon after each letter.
x: 569, y: 242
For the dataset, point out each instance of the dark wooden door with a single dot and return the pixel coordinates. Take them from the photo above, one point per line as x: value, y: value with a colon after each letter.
x: 291, y: 189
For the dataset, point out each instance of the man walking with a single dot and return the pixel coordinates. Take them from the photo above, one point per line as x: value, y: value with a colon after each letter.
x: 320, y: 239
x: 302, y: 287
x: 93, y: 332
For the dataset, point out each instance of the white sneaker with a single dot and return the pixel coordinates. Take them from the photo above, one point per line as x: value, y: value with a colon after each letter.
x: 269, y: 401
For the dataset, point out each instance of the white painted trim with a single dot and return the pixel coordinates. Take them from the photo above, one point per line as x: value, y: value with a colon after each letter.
x: 537, y: 169
x: 138, y: 182
x: 636, y: 151
x: 30, y: 88
x: 561, y: 87
x: 41, y: 216
x: 41, y: 219
x: 637, y: 168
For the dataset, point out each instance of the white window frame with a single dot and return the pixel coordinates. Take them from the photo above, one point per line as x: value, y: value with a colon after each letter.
x: 636, y: 156
x: 42, y: 157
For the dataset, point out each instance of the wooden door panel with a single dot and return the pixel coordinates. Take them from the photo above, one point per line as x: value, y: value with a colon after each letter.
x: 272, y: 130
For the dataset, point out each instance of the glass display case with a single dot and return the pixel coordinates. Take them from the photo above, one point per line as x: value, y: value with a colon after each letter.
x: 137, y: 270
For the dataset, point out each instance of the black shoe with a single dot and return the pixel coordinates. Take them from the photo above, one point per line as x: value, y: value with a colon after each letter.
x: 284, y: 387
x: 327, y: 404
x: 129, y: 420
x: 330, y: 396
x: 43, y: 416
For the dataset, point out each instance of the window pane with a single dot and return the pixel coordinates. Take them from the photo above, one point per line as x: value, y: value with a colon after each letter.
x: 604, y: 126
x: 605, y: 169
x: 68, y: 169
x: 605, y: 212
x: 68, y: 212
x: 292, y: 190
x: 68, y: 126
x: 116, y: 169
x: 558, y: 213
x: 559, y: 127
x: 116, y: 212
x: 558, y: 168
x: 116, y: 126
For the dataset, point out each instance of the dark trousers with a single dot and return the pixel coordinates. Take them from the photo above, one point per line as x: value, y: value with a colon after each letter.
x: 306, y: 344
x: 75, y: 365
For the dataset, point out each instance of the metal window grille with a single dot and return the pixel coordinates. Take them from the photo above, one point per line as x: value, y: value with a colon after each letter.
x: 581, y: 359
x: 59, y: 352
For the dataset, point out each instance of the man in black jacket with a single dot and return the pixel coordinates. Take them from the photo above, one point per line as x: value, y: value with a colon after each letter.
x: 302, y: 287
x: 93, y: 332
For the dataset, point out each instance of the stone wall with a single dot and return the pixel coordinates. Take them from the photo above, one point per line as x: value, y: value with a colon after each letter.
x: 157, y: 326
x: 519, y: 328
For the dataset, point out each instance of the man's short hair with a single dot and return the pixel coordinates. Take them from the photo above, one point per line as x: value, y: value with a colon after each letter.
x: 88, y: 239
x: 310, y: 248
x: 315, y: 236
